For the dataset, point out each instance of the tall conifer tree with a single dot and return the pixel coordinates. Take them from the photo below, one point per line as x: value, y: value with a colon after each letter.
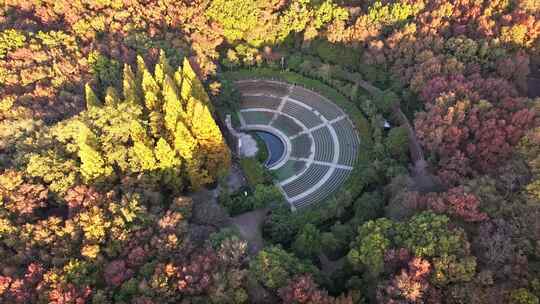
x: 149, y: 86
x: 162, y: 68
x: 172, y: 107
x: 111, y: 97
x: 143, y: 157
x: 91, y: 98
x: 173, y: 136
x: 194, y: 86
x: 130, y: 86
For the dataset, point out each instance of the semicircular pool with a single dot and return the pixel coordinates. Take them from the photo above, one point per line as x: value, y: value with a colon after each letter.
x: 274, y: 146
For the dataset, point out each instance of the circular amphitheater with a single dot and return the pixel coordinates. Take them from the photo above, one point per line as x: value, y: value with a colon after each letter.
x: 321, y: 143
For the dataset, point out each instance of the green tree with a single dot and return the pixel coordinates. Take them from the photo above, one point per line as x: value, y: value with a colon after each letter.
x: 59, y: 172
x: 273, y: 267
x: 425, y: 235
x: 106, y: 71
x: 367, y: 207
x: 335, y: 244
x: 265, y: 195
x: 397, y: 143
x: 374, y: 238
x: 330, y: 245
x: 308, y: 242
x: 282, y: 225
x: 451, y: 269
x: 385, y: 101
x: 258, y: 22
x: 308, y: 17
x: 231, y: 60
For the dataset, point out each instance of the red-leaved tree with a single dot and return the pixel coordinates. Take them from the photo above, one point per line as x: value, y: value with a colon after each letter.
x: 471, y: 122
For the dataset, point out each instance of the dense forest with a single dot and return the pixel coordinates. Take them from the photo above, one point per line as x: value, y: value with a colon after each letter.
x: 112, y: 138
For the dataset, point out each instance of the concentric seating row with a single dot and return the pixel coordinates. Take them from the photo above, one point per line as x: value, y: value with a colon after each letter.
x: 307, y: 117
x: 301, y: 146
x: 324, y: 145
x: 348, y: 142
x: 266, y: 102
x: 309, y: 178
x: 263, y: 87
x: 287, y: 125
x: 257, y: 117
x: 248, y: 89
x: 290, y: 168
x: 332, y: 184
x: 319, y: 103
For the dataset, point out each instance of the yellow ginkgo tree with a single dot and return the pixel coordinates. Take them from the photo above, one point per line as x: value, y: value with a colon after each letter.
x: 160, y: 133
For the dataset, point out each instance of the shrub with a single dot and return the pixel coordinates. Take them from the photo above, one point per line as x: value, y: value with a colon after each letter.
x: 243, y: 200
x: 295, y: 61
x: 217, y: 238
x: 238, y: 203
x: 265, y: 195
x: 255, y: 173
x: 262, y: 152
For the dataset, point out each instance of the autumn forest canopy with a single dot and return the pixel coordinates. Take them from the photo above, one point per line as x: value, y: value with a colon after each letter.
x: 120, y: 181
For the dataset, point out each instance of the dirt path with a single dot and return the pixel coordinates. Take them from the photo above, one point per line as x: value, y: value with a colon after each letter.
x: 249, y: 225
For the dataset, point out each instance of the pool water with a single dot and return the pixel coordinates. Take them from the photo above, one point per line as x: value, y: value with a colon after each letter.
x: 274, y: 145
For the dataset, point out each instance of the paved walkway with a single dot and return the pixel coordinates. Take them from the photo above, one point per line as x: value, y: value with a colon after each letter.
x: 249, y: 225
x: 249, y: 145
